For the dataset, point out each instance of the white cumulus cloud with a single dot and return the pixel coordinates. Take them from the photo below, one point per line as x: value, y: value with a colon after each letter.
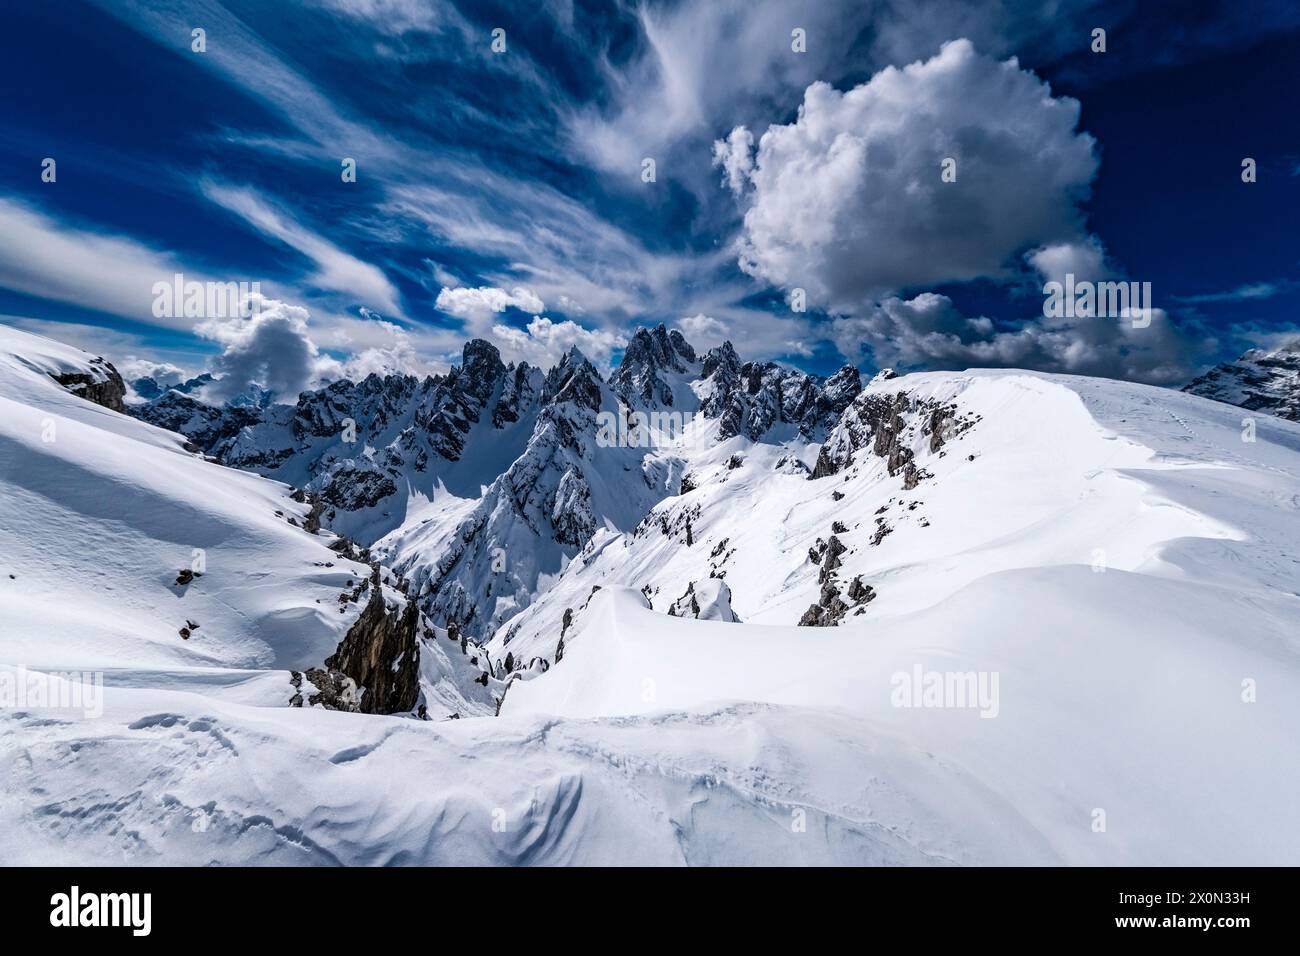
x: 543, y: 342
x: 271, y: 348
x: 848, y: 201
x: 475, y: 303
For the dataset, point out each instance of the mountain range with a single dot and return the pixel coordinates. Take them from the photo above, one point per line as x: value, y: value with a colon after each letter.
x: 696, y: 610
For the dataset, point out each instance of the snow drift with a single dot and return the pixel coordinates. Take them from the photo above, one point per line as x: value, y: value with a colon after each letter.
x: 1048, y: 620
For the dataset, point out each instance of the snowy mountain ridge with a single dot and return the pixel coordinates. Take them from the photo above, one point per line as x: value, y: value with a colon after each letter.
x: 712, y: 676
x: 445, y: 476
x: 1266, y: 380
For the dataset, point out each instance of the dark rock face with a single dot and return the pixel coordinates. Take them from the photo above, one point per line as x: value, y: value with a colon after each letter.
x: 860, y: 593
x: 518, y: 393
x: 354, y: 485
x: 101, y: 385
x: 204, y: 425
x: 723, y: 365
x: 831, y: 608
x: 571, y: 515
x: 481, y: 369
x: 380, y: 654
x: 754, y: 397
x: 1265, y: 381
x: 941, y: 427
x: 828, y: 611
x: 872, y: 419
x: 830, y: 559
x: 574, y: 380
x: 638, y: 380
x: 837, y: 393
x: 331, y: 690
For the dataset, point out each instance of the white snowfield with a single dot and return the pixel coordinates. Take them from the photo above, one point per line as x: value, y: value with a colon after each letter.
x: 1103, y: 575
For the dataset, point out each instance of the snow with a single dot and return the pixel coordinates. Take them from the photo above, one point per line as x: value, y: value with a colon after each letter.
x: 100, y: 514
x: 1115, y: 556
x: 1259, y: 379
x: 1120, y: 685
x: 707, y: 600
x: 98, y: 525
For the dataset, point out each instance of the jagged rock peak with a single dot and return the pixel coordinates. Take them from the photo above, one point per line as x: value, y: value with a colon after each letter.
x: 575, y: 379
x: 481, y: 368
x: 721, y: 357
x: 1261, y: 380
x: 680, y: 345
x: 843, y: 386
x: 658, y: 348
x: 753, y: 397
x: 651, y: 354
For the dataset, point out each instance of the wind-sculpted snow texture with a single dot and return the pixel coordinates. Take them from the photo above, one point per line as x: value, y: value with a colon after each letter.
x: 710, y: 639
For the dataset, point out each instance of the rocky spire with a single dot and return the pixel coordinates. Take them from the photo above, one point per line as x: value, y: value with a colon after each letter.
x: 651, y: 356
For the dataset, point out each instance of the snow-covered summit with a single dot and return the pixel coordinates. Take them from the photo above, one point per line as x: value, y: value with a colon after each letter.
x: 423, y: 468
x: 1261, y: 380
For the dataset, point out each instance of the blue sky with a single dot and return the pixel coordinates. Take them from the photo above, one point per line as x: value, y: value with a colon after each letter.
x: 502, y: 193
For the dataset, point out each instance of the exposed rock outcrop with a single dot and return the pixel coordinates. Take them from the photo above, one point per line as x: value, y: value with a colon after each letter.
x: 754, y: 397
x: 101, y: 385
x: 707, y: 600
x: 380, y: 654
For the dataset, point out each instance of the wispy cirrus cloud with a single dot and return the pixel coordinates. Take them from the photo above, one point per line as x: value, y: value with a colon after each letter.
x: 1254, y: 292
x: 83, y: 266
x: 518, y: 230
x: 519, y: 169
x: 334, y: 269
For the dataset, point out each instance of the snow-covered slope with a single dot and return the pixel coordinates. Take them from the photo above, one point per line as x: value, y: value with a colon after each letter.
x: 930, y: 482
x: 1114, y: 556
x: 122, y: 552
x: 1110, y: 565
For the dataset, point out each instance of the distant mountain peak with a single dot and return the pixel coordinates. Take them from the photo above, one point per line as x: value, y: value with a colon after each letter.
x: 1266, y: 380
x: 650, y: 362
